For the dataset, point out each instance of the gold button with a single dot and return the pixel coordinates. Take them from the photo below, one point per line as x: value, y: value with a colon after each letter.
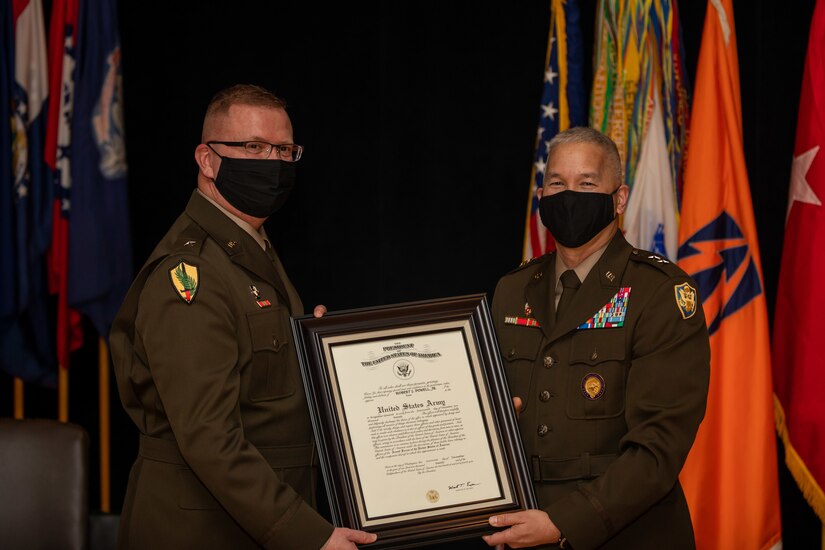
x: 542, y: 429
x: 511, y: 353
x: 544, y: 396
x: 595, y: 355
x: 548, y: 362
x: 275, y: 342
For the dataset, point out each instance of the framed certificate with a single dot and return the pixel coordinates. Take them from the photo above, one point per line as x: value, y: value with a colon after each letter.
x: 413, y: 419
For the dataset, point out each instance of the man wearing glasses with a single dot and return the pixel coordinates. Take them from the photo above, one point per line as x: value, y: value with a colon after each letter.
x: 204, y: 361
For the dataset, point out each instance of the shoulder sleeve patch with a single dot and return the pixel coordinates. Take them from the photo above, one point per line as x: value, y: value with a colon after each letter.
x: 185, y: 281
x: 685, y: 299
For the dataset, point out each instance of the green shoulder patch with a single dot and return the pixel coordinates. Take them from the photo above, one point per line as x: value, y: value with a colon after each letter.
x: 185, y: 281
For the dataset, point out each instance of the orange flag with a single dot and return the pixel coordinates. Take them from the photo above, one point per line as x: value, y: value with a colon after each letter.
x: 730, y: 477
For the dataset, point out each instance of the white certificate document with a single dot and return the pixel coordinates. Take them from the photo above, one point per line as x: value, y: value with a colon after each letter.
x: 416, y: 431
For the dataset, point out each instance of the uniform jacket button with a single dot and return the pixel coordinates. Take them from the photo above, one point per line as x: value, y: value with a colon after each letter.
x: 512, y: 352
x: 544, y: 396
x: 548, y: 362
x: 542, y: 429
x: 275, y: 342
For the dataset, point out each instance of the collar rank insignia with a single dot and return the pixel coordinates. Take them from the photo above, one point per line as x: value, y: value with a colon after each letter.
x: 612, y: 314
x: 185, y: 281
x: 592, y: 386
x: 523, y: 321
x: 685, y: 300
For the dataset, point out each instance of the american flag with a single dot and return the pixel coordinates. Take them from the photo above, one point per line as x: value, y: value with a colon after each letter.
x: 563, y: 105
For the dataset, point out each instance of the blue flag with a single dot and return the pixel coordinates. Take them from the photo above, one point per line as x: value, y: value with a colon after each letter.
x: 26, y: 343
x: 8, y: 261
x: 100, y: 259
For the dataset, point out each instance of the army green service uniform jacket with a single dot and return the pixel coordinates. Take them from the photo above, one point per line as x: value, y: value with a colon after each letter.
x: 611, y: 409
x: 207, y: 370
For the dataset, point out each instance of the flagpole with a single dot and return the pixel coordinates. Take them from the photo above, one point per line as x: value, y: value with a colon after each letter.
x: 103, y: 394
x: 18, y: 399
x: 62, y: 394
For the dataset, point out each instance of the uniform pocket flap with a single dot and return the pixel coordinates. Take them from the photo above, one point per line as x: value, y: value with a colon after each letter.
x: 592, y: 347
x: 267, y: 329
x: 521, y: 343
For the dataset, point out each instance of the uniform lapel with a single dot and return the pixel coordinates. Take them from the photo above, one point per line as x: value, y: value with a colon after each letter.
x: 238, y: 245
x: 539, y: 293
x: 600, y: 285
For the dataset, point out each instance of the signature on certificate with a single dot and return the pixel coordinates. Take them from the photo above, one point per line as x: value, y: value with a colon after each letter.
x: 462, y: 486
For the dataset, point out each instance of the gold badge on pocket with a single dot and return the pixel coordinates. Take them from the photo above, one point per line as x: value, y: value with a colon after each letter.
x: 593, y: 386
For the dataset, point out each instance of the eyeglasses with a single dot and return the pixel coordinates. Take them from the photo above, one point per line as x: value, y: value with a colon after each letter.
x: 284, y: 151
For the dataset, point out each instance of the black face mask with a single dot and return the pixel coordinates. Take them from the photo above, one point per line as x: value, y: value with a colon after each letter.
x: 574, y: 217
x: 256, y: 187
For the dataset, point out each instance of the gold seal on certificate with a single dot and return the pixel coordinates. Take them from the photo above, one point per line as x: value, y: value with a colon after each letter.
x: 410, y: 397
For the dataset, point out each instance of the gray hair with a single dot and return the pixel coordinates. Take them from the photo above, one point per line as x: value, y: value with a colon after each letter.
x: 585, y: 134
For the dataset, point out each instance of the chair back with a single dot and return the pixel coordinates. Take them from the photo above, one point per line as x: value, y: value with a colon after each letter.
x: 44, y: 480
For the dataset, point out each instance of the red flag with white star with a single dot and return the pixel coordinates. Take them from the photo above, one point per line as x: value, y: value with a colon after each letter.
x: 798, y: 362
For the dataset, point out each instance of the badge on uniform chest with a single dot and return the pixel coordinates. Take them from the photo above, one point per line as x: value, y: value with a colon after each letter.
x: 262, y: 302
x: 527, y: 321
x: 612, y: 314
x: 592, y: 386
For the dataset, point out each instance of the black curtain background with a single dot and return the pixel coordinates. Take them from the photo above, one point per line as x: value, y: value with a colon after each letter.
x: 419, y: 121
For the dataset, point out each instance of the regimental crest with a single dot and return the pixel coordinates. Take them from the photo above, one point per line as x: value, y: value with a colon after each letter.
x: 685, y: 300
x: 612, y: 314
x: 185, y: 281
x: 593, y: 386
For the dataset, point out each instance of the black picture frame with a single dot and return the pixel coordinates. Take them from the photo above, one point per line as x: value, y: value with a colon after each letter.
x: 326, y: 347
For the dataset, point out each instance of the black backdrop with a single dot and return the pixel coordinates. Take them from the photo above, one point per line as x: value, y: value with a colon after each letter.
x: 418, y: 120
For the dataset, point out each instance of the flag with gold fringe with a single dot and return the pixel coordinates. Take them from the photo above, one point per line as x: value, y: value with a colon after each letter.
x: 799, y: 366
